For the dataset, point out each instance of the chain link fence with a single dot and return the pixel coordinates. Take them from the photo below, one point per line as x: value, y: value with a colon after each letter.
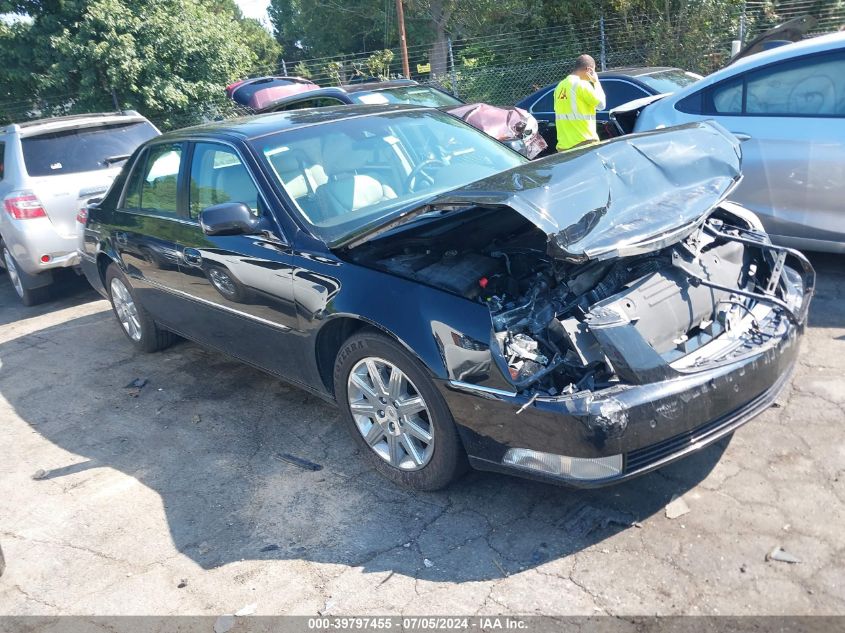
x: 501, y: 69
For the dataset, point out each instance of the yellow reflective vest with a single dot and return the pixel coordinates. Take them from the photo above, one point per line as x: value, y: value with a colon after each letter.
x: 576, y: 101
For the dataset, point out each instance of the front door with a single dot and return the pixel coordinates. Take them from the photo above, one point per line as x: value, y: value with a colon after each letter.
x: 241, y: 285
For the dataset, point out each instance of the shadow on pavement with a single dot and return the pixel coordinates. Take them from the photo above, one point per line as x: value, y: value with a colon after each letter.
x: 826, y: 309
x: 69, y: 290
x: 205, y: 430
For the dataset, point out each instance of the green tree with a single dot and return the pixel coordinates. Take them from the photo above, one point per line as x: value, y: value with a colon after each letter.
x: 162, y: 57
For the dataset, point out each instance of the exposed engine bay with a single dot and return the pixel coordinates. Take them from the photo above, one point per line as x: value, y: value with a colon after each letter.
x: 553, y: 321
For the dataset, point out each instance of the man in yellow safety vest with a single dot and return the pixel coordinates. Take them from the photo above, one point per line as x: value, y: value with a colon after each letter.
x: 577, y: 98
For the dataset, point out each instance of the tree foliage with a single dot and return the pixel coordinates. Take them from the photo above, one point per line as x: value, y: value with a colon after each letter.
x: 161, y: 57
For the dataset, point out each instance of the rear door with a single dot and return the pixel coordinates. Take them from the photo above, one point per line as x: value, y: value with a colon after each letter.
x: 148, y: 225
x: 241, y: 286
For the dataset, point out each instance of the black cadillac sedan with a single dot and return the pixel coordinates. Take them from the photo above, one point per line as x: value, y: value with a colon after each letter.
x: 581, y: 319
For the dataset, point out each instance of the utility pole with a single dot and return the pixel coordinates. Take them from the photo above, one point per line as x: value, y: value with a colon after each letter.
x: 400, y: 18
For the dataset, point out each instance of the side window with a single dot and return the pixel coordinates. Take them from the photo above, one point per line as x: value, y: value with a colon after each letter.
x: 133, y: 187
x: 808, y: 86
x: 160, y: 181
x: 2, y: 160
x: 726, y: 97
x: 619, y: 92
x: 546, y: 102
x: 218, y: 176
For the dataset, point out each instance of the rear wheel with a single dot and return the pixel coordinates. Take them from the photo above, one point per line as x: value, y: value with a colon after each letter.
x: 395, y: 413
x: 137, y: 324
x: 28, y: 296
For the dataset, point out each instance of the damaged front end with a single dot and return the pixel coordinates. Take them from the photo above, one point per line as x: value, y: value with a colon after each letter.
x: 635, y: 315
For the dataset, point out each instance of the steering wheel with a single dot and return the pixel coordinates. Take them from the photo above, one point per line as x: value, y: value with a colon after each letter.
x: 419, y: 172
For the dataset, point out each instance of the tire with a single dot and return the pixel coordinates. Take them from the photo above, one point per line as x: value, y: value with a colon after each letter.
x: 28, y: 296
x: 397, y: 446
x: 135, y: 322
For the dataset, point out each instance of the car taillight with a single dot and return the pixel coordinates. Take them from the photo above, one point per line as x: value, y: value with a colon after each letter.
x: 82, y: 215
x: 23, y: 205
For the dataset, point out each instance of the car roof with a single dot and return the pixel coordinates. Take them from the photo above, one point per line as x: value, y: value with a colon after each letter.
x: 633, y: 71
x: 259, y: 125
x: 39, y: 126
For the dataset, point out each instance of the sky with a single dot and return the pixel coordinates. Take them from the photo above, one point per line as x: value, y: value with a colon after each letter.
x: 255, y: 9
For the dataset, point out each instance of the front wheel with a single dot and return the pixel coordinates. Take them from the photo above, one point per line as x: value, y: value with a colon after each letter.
x: 395, y: 413
x: 137, y: 324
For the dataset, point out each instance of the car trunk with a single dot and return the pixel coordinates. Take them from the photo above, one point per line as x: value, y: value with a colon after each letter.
x: 63, y: 196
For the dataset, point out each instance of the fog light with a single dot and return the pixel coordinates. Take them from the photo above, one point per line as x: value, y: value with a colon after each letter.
x: 564, y: 466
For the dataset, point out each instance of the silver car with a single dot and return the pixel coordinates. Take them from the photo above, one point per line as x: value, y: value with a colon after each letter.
x: 787, y: 105
x: 49, y: 169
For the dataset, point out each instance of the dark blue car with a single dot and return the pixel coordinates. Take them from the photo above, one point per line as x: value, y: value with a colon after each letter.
x: 620, y: 86
x: 461, y: 304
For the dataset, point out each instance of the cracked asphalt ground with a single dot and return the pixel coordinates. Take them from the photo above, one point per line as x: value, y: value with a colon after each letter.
x: 181, y: 483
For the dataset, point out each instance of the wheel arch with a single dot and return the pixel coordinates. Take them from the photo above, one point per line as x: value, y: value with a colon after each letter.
x: 336, y: 332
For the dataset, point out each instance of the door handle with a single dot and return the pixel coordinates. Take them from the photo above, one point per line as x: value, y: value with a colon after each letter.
x: 120, y: 238
x: 742, y: 136
x: 192, y: 257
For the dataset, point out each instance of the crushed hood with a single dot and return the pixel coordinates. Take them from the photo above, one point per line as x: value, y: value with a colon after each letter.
x: 632, y: 194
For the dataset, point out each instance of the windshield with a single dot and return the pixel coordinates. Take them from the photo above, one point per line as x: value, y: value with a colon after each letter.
x: 669, y: 80
x: 355, y: 173
x: 409, y: 95
x: 83, y: 149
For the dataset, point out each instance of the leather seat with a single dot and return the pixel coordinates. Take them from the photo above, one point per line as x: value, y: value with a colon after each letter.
x: 347, y: 190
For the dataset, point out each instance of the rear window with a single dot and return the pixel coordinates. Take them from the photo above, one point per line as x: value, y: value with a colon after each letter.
x: 411, y: 95
x: 83, y: 149
x: 669, y: 80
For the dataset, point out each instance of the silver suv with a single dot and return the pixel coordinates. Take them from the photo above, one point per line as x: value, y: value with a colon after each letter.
x: 49, y: 170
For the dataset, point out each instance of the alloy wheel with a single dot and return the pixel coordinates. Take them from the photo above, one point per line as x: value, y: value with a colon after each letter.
x: 12, y: 269
x: 127, y: 311
x: 390, y: 413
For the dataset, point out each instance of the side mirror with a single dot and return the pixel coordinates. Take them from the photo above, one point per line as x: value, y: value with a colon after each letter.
x: 229, y: 218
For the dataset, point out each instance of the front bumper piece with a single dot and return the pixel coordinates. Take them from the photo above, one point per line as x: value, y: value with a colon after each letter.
x: 683, y: 407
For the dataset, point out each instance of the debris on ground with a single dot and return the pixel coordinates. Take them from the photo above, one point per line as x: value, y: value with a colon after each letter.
x: 328, y: 605
x: 196, y: 419
x: 637, y: 524
x: 182, y: 583
x: 247, y: 610
x: 781, y: 555
x: 224, y: 624
x: 743, y: 568
x: 39, y: 474
x: 297, y: 461
x: 427, y: 563
x: 386, y: 578
x: 134, y: 387
x: 406, y: 545
x: 270, y: 548
x: 676, y: 508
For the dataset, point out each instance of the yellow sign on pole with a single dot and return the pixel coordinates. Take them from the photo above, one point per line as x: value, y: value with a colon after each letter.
x: 423, y: 68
